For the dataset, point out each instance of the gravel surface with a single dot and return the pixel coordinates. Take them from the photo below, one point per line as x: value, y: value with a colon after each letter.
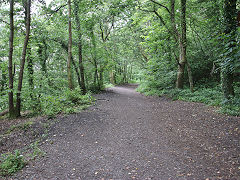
x: 129, y: 136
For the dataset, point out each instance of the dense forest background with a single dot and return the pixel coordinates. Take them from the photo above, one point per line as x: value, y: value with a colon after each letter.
x: 53, y: 56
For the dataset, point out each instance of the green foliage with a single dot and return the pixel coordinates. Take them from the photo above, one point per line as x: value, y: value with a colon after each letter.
x: 3, y: 101
x: 24, y: 127
x: 11, y: 163
x: 140, y: 47
x: 37, y: 152
x: 208, y: 95
x: 68, y: 102
x: 108, y: 85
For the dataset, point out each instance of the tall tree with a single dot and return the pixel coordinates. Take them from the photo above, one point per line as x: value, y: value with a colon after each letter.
x: 69, y: 70
x: 22, y: 63
x: 180, y: 38
x: 10, y: 63
x: 182, y: 47
x: 94, y: 55
x: 80, y: 56
x: 230, y: 23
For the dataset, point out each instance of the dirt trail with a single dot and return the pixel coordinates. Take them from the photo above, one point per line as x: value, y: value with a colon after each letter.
x: 129, y: 136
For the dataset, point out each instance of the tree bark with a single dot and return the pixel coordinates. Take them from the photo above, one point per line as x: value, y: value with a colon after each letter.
x: 20, y: 78
x: 77, y: 72
x: 112, y: 76
x: 12, y: 113
x: 101, y: 76
x: 182, y: 47
x: 81, y: 66
x: 190, y: 77
x: 230, y: 22
x: 30, y: 71
x: 3, y: 81
x: 96, y: 78
x: 69, y: 70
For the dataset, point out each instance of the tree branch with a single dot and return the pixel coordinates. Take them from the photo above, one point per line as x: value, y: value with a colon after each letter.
x: 160, y: 17
x: 60, y: 7
x: 165, y: 7
x: 56, y: 10
x: 108, y: 33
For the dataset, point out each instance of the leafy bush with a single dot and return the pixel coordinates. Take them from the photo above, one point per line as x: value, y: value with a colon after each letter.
x: 11, y: 163
x: 232, y: 107
x: 69, y: 101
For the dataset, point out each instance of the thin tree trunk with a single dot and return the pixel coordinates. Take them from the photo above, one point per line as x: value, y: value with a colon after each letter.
x: 10, y: 63
x: 30, y: 72
x: 96, y: 78
x: 20, y: 79
x: 175, y: 32
x: 181, y: 67
x: 125, y: 72
x: 3, y: 80
x: 182, y: 46
x: 230, y: 21
x: 81, y: 66
x: 112, y: 76
x: 69, y: 70
x: 77, y: 72
x: 190, y: 77
x: 101, y: 76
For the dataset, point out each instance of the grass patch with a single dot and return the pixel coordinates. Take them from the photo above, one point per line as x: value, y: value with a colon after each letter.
x: 24, y: 126
x: 211, y: 96
x: 11, y: 163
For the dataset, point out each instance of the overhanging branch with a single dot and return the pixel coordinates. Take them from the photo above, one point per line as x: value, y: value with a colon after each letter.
x: 165, y: 7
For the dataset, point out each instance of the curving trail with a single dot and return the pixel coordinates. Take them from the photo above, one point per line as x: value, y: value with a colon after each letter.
x: 129, y: 136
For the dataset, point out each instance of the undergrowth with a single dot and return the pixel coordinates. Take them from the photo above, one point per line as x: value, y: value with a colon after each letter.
x: 67, y: 102
x: 52, y: 101
x: 209, y: 95
x: 11, y: 163
x: 23, y: 126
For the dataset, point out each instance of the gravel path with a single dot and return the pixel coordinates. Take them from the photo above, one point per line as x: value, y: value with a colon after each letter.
x: 129, y: 136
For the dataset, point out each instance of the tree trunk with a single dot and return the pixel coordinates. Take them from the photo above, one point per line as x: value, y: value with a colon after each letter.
x: 230, y: 22
x: 3, y: 80
x: 69, y: 70
x: 20, y: 78
x: 81, y: 66
x: 96, y: 78
x: 43, y: 57
x: 77, y: 72
x: 190, y: 78
x: 125, y: 72
x: 227, y: 84
x: 30, y: 72
x: 101, y: 76
x: 10, y: 63
x: 182, y: 47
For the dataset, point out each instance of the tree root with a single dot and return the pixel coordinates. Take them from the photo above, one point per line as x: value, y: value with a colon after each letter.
x: 4, y: 112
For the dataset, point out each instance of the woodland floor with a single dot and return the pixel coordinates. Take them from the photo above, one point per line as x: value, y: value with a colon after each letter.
x: 129, y: 136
